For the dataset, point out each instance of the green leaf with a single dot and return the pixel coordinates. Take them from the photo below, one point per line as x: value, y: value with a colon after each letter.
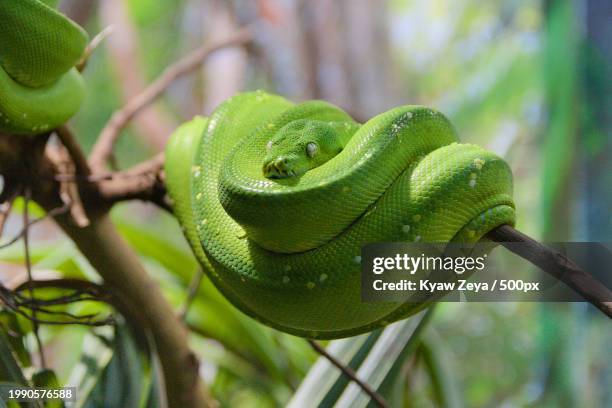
x: 10, y: 404
x: 97, y: 353
x: 435, y: 359
x: 121, y: 383
x: 372, y: 356
x: 47, y: 379
x: 15, y: 333
x: 9, y: 368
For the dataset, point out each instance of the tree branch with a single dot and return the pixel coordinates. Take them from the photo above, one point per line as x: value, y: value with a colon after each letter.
x: 143, y: 182
x: 137, y: 293
x: 557, y: 265
x: 103, y: 148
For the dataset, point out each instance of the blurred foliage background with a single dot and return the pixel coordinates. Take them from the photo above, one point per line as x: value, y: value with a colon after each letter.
x: 529, y: 80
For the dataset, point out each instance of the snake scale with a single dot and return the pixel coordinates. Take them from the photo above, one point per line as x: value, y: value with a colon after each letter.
x: 276, y: 200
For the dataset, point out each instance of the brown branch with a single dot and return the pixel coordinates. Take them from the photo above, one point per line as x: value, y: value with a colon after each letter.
x: 74, y: 149
x: 65, y: 165
x: 557, y: 265
x: 348, y: 371
x: 139, y: 296
x: 103, y: 147
x: 142, y: 182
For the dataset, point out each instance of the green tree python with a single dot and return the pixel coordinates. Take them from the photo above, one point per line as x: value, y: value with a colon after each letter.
x: 276, y: 200
x: 39, y: 87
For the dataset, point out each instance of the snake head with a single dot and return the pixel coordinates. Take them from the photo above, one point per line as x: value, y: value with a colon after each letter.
x: 300, y: 146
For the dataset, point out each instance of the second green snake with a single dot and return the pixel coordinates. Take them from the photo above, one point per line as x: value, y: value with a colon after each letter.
x: 277, y: 199
x: 39, y: 87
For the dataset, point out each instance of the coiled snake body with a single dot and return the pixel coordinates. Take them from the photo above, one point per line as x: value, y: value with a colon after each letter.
x: 276, y: 200
x: 39, y: 87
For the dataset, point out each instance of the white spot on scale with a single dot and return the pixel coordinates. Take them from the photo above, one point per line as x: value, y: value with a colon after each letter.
x: 472, y: 183
x: 417, y: 238
x: 357, y: 259
x: 286, y: 279
x: 406, y: 229
x: 310, y: 285
x: 287, y: 268
x: 323, y: 277
x: 478, y: 163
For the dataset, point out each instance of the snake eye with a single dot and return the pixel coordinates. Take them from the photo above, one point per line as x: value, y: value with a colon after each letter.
x: 311, y: 149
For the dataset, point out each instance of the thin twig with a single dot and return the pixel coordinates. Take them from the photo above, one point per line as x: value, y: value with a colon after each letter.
x: 14, y: 302
x: 91, y: 47
x: 84, y: 291
x: 109, y: 321
x: 79, y: 285
x: 152, y: 165
x: 53, y: 213
x: 348, y: 371
x: 5, y: 211
x: 192, y: 292
x: 557, y: 265
x: 142, y: 182
x: 103, y: 147
x: 28, y: 264
x: 44, y: 310
x: 61, y: 300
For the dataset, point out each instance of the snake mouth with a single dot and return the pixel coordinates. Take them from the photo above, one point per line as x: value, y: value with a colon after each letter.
x: 278, y: 169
